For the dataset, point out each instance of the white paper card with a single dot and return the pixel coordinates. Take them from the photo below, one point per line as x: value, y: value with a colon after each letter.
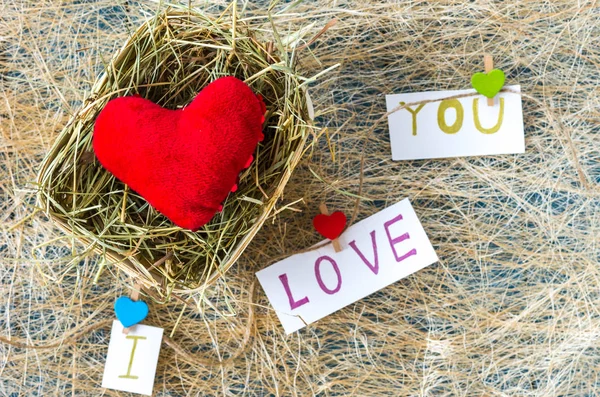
x: 132, y: 358
x: 376, y: 252
x: 458, y: 127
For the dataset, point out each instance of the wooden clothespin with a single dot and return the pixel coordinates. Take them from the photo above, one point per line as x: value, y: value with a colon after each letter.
x: 336, y: 244
x: 488, y: 63
x: 135, y: 295
x: 490, y: 83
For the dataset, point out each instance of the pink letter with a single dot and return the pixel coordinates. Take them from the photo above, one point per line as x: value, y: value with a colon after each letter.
x: 396, y: 240
x: 374, y: 267
x: 293, y: 304
x: 320, y: 281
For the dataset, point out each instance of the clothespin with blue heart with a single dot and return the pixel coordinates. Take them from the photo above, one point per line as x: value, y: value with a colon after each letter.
x: 129, y: 310
x: 489, y: 83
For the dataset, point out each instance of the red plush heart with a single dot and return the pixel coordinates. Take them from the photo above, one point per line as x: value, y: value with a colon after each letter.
x: 330, y: 226
x: 183, y: 162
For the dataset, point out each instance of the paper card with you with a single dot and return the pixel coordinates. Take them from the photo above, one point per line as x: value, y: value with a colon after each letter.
x: 376, y: 252
x: 455, y: 127
x: 132, y: 358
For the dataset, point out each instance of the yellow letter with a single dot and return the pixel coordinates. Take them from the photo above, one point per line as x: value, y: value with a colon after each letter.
x: 441, y: 116
x: 414, y: 115
x: 495, y: 128
x: 135, y: 340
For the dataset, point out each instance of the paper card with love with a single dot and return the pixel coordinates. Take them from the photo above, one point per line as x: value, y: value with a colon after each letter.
x: 377, y: 251
x: 442, y: 124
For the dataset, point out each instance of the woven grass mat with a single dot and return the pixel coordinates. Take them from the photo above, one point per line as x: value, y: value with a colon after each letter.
x: 511, y: 309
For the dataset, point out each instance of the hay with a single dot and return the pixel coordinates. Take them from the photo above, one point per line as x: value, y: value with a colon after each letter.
x: 168, y: 60
x: 510, y: 310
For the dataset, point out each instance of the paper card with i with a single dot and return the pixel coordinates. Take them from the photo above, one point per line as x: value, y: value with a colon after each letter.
x: 132, y: 358
x: 133, y: 348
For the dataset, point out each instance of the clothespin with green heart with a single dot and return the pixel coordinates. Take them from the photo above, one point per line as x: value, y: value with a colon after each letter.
x: 489, y: 83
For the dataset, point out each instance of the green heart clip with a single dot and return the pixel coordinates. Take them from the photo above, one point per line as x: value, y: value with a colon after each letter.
x: 488, y: 84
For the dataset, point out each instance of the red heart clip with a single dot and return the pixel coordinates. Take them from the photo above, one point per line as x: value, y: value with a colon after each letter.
x: 330, y: 226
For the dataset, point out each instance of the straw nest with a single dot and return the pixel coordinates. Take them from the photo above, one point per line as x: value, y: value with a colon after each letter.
x: 168, y: 60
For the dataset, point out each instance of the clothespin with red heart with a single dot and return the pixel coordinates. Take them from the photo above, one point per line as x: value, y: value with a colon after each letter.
x: 330, y: 226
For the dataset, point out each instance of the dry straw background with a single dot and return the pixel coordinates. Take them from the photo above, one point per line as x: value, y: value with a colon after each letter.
x: 511, y: 309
